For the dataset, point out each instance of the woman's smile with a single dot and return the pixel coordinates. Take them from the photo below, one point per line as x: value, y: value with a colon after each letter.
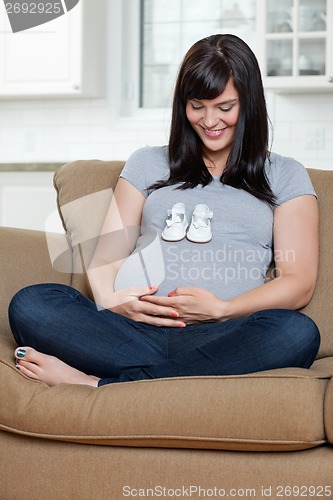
x: 214, y: 133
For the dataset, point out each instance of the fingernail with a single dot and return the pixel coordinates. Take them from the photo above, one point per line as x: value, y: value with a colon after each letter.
x: 181, y: 325
x: 175, y: 315
x: 142, y: 299
x: 152, y: 287
x: 21, y: 353
x: 171, y: 294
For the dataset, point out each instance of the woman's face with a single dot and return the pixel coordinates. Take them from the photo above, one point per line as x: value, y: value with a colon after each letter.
x: 215, y: 120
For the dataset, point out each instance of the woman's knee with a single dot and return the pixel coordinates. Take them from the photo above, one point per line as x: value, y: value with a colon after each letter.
x: 21, y: 308
x: 310, y: 335
x: 23, y: 300
x: 304, y: 337
x: 303, y: 328
x: 293, y: 322
x: 28, y: 297
x: 297, y: 333
x: 29, y: 305
x: 41, y: 292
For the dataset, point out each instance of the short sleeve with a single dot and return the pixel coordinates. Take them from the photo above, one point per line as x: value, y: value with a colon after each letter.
x: 134, y: 171
x: 145, y: 166
x: 289, y: 179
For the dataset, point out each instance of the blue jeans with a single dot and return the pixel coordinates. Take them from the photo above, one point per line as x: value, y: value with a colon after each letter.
x: 60, y: 321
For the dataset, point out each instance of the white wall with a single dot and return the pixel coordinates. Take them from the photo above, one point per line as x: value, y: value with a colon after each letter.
x: 62, y: 130
x: 303, y: 127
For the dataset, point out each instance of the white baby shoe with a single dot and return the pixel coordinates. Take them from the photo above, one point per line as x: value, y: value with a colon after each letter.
x: 176, y: 223
x: 200, y: 230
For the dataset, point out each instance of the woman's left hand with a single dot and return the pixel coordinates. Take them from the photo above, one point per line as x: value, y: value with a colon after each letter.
x: 193, y: 304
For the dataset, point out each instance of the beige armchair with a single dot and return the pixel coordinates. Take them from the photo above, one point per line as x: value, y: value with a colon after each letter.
x: 254, y: 435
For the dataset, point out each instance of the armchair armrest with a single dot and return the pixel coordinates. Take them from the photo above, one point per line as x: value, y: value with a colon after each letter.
x: 24, y: 260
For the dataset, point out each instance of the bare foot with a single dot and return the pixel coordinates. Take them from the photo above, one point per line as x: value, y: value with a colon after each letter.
x: 49, y: 369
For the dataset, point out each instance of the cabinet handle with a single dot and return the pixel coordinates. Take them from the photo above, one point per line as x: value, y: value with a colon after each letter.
x: 330, y: 79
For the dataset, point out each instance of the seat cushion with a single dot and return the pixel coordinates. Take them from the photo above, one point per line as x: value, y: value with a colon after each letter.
x: 273, y: 410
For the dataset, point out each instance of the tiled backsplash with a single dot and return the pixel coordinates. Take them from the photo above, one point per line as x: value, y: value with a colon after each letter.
x: 303, y: 127
x: 62, y: 130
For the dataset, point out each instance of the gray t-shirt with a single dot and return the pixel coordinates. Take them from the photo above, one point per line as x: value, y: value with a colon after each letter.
x: 241, y: 250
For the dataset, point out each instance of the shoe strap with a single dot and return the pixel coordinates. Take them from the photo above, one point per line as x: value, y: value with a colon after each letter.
x: 200, y: 223
x: 202, y: 220
x: 173, y: 217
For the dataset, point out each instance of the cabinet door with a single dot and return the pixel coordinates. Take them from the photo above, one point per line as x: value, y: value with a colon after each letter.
x: 27, y: 199
x: 296, y: 44
x: 56, y: 58
x: 45, y: 59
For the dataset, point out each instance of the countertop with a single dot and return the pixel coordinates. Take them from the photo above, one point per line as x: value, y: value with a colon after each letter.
x: 30, y: 167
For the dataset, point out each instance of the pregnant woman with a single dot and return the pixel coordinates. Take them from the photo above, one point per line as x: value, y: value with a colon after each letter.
x: 213, y: 209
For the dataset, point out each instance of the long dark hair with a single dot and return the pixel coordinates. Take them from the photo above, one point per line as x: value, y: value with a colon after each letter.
x: 204, y: 74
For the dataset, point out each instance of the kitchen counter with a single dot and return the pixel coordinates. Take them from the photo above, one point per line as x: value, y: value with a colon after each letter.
x: 30, y: 167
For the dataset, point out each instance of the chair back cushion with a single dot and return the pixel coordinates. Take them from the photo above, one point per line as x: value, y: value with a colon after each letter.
x: 84, y: 190
x: 320, y: 307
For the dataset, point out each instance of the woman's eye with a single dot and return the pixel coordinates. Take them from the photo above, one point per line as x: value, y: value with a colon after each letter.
x: 225, y: 110
x: 196, y: 106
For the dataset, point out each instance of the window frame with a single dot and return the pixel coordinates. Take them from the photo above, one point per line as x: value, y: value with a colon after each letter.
x: 124, y: 76
x: 123, y: 94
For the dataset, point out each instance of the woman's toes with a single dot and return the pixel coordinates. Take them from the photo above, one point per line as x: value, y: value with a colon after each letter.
x: 30, y: 355
x: 20, y: 352
x: 49, y: 369
x: 28, y: 369
x: 27, y: 353
x: 27, y: 361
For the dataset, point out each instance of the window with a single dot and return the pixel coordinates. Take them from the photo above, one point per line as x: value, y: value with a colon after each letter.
x: 170, y: 27
x: 148, y: 39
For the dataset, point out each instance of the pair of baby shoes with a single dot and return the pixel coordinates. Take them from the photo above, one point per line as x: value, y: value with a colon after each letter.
x: 177, y: 227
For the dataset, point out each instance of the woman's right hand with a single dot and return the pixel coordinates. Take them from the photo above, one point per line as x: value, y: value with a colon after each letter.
x: 128, y: 303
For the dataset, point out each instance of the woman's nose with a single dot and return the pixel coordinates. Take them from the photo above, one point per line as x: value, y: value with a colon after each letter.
x: 210, y: 119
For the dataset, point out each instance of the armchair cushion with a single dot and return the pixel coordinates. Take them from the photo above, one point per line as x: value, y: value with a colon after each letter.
x: 320, y: 307
x: 276, y: 410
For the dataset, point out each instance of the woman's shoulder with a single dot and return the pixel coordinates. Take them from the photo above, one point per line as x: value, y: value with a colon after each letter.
x: 275, y: 163
x: 287, y: 177
x: 146, y: 166
x: 150, y: 153
x: 278, y: 167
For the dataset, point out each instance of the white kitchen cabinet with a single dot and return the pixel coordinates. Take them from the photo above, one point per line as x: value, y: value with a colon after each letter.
x: 295, y: 44
x: 64, y: 57
x: 28, y: 200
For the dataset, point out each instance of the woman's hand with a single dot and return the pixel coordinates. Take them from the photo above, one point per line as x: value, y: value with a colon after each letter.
x: 193, y: 304
x: 129, y: 303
